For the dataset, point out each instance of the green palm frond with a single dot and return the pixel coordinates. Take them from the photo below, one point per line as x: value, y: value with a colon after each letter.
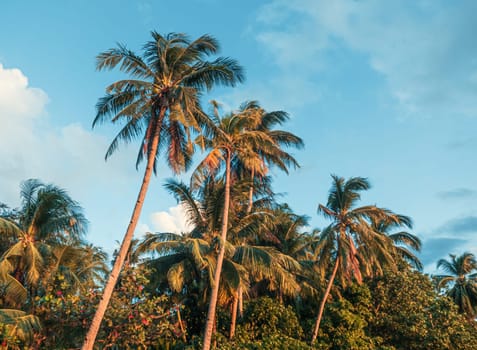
x: 20, y: 324
x: 163, y: 94
x: 183, y: 195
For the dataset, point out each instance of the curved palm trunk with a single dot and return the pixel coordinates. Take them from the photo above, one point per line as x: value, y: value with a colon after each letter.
x: 209, y: 326
x: 323, y: 301
x: 126, y: 243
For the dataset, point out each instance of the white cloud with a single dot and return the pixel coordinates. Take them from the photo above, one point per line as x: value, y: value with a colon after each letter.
x: 31, y: 146
x: 18, y: 100
x: 424, y: 49
x: 20, y: 105
x: 174, y: 220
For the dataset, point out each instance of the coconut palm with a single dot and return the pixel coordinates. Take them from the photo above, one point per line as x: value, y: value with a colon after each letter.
x: 190, y: 259
x: 231, y: 137
x: 159, y: 105
x: 47, y: 218
x: 183, y: 261
x: 460, y: 281
x: 267, y: 122
x: 350, y: 240
x: 256, y: 171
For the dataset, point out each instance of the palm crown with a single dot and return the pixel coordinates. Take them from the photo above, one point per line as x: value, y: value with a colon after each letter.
x: 460, y: 281
x: 163, y: 97
x: 351, y: 240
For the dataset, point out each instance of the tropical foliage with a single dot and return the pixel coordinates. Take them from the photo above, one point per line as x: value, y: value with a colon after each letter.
x: 249, y: 272
x: 160, y: 105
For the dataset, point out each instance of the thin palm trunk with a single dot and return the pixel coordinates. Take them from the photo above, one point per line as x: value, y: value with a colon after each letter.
x: 237, y: 309
x: 250, y: 193
x: 233, y: 321
x: 323, y: 301
x: 209, y: 326
x: 126, y: 243
x: 238, y: 302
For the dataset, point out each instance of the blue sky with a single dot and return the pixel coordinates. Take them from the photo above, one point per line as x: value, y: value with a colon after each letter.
x: 385, y: 90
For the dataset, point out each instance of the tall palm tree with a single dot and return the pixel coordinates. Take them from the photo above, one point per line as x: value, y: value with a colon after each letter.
x: 267, y: 122
x: 231, y: 137
x: 350, y: 240
x: 256, y: 172
x: 460, y: 281
x: 47, y: 218
x: 159, y: 104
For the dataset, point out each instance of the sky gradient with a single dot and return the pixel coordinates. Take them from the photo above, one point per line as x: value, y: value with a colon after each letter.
x: 384, y: 90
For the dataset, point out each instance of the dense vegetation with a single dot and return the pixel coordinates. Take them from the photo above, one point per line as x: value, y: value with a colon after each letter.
x: 250, y: 274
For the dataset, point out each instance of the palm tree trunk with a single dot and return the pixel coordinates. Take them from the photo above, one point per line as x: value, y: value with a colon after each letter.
x: 250, y: 193
x: 215, y: 289
x: 323, y: 301
x: 240, y: 301
x: 239, y: 304
x: 126, y: 243
x: 233, y: 320
x: 240, y: 308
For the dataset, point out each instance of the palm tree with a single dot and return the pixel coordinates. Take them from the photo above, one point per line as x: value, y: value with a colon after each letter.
x: 47, y: 218
x: 350, y: 240
x: 460, y: 281
x: 266, y: 122
x: 190, y: 258
x: 159, y: 104
x: 231, y: 137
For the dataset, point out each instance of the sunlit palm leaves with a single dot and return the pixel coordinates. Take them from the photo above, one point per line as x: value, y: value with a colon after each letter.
x: 47, y: 217
x: 404, y: 243
x: 160, y: 105
x: 161, y: 100
x: 350, y: 243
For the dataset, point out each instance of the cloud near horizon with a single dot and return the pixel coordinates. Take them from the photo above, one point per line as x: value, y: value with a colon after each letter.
x: 173, y: 220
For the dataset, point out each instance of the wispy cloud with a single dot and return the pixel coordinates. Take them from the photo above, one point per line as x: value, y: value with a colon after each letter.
x: 458, y: 193
x: 459, y: 226
x: 460, y: 144
x: 425, y: 52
